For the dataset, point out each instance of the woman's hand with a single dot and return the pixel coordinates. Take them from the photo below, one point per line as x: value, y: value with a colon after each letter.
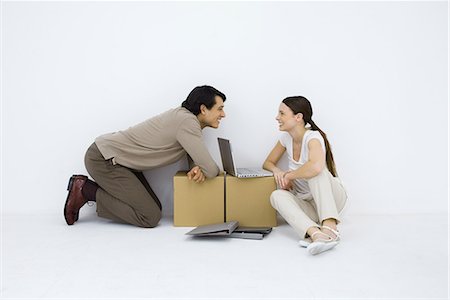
x: 281, y: 180
x: 288, y: 185
x: 287, y: 181
x: 196, y: 174
x: 278, y: 174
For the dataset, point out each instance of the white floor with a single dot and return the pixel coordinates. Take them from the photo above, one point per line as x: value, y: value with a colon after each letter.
x: 379, y: 257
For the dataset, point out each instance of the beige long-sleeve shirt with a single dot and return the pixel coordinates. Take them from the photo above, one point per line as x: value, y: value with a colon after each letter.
x: 159, y: 141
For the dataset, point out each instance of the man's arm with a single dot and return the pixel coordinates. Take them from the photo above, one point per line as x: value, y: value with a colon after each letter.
x: 189, y: 135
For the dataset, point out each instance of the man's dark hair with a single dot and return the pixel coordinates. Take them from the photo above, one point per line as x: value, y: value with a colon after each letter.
x: 205, y: 95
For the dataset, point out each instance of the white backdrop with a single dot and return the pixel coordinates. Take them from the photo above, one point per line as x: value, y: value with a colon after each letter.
x: 375, y: 72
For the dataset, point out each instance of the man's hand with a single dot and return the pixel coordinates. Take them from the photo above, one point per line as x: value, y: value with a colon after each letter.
x: 196, y: 174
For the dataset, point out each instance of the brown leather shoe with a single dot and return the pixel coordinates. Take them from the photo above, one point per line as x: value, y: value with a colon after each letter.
x: 75, y: 199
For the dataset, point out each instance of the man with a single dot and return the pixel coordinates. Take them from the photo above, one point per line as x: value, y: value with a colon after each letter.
x: 116, y: 160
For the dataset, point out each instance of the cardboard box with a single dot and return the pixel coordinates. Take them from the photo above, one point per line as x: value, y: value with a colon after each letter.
x: 248, y: 201
x: 223, y: 199
x: 196, y: 204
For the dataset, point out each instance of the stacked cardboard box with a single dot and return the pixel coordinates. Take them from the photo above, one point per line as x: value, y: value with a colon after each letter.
x: 248, y: 201
x: 196, y: 204
x: 223, y: 199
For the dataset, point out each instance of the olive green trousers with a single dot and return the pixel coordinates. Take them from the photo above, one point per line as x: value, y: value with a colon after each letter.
x: 124, y: 195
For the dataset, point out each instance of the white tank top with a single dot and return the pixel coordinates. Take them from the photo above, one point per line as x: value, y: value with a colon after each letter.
x: 300, y: 185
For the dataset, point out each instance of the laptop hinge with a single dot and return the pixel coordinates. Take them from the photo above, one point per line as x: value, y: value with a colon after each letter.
x: 225, y: 196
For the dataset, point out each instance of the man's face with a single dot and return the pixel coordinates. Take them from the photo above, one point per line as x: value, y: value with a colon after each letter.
x: 211, y: 117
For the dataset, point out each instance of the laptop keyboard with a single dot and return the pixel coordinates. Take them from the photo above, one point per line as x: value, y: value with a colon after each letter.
x: 246, y: 171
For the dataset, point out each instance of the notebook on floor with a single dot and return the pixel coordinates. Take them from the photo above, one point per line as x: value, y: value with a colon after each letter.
x: 252, y: 233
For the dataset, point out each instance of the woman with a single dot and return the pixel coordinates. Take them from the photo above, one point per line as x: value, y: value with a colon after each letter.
x: 311, y: 196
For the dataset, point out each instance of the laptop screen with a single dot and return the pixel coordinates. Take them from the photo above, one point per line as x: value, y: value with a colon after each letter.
x: 227, y: 157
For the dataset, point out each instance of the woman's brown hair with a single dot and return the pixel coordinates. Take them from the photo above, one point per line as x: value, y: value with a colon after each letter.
x: 299, y: 104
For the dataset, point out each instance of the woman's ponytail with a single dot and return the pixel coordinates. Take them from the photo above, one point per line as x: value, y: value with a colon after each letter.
x: 329, y: 154
x: 300, y: 104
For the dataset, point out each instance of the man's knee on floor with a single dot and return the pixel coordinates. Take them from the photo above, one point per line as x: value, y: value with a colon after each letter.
x: 151, y: 219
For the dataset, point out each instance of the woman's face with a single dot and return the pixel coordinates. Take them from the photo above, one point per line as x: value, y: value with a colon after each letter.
x: 286, y: 118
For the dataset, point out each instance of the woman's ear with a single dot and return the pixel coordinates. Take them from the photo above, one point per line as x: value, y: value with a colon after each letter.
x: 299, y: 116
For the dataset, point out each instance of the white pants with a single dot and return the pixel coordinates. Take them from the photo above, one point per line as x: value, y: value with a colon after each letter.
x: 327, y: 199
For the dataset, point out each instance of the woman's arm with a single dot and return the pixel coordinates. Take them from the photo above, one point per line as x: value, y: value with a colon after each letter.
x: 270, y: 164
x: 273, y: 158
x: 314, y: 165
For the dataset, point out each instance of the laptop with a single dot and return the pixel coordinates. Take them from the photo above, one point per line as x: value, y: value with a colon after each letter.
x: 230, y: 167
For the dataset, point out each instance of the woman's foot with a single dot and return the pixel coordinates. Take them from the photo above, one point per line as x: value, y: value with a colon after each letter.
x: 308, y: 239
x: 331, y: 231
x: 321, y: 242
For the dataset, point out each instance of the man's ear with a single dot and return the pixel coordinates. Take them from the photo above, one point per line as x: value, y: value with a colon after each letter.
x: 203, y: 109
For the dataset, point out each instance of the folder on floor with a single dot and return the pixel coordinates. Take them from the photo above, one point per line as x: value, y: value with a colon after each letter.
x: 231, y: 229
x: 220, y: 229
